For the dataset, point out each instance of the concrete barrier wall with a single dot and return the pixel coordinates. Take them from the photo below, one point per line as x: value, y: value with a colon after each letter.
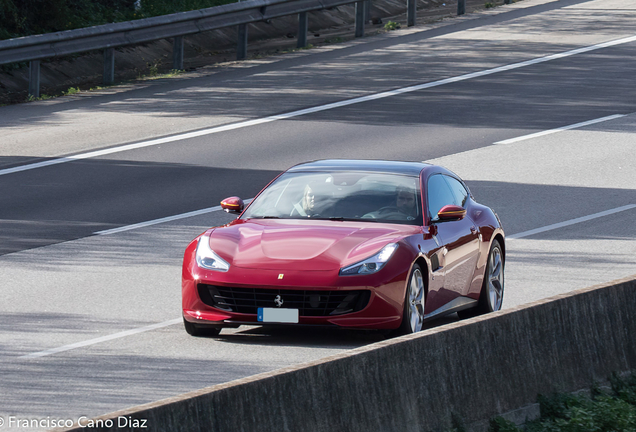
x: 475, y: 369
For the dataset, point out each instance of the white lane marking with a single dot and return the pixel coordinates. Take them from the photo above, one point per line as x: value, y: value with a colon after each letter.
x: 570, y: 222
x: 158, y: 221
x: 178, y: 320
x: 216, y: 208
x: 560, y: 129
x: 162, y: 220
x: 329, y: 106
x: 101, y: 339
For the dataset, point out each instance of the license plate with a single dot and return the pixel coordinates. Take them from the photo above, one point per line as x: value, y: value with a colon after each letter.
x: 274, y: 315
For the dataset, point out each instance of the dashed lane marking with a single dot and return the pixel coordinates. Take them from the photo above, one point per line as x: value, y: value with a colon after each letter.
x: 284, y: 116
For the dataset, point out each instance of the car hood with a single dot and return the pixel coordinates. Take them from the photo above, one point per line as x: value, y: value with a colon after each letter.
x: 311, y: 245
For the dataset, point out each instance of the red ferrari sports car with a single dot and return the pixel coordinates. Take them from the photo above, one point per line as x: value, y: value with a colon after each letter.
x: 350, y: 243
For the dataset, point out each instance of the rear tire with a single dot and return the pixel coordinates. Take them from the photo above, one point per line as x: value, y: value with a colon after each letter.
x: 414, y: 301
x: 200, y: 330
x: 492, y: 290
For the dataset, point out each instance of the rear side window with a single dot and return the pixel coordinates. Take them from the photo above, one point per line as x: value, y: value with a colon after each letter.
x: 439, y: 194
x: 459, y: 191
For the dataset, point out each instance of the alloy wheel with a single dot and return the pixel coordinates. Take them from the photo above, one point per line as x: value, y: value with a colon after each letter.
x: 495, y: 279
x: 416, y: 301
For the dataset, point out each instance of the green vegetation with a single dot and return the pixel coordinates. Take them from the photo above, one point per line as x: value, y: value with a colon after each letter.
x: 75, y: 90
x: 29, y: 17
x: 163, y: 7
x: 154, y: 75
x: 31, y: 98
x: 489, y: 5
x: 71, y: 91
x: 153, y: 68
x: 391, y: 25
x: 599, y: 412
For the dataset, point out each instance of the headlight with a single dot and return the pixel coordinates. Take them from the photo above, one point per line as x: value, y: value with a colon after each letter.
x: 372, y: 264
x: 207, y: 258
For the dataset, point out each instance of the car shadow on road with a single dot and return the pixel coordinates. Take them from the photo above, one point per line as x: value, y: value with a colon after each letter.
x: 315, y: 337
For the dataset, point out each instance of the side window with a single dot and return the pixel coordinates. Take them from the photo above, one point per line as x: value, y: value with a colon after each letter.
x: 439, y: 194
x: 459, y: 191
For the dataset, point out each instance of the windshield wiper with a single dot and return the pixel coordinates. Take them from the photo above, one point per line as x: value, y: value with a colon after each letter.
x: 341, y: 218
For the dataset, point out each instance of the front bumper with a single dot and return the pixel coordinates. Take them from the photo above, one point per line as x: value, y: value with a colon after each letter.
x: 382, y: 295
x: 384, y: 291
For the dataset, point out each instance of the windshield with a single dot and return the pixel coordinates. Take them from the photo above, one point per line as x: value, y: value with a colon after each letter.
x: 372, y: 197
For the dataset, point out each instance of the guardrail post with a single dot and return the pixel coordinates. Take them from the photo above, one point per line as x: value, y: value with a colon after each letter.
x: 303, y: 23
x: 410, y: 12
x: 241, y: 48
x: 34, y: 78
x: 359, y: 18
x: 461, y: 7
x: 109, y: 66
x: 177, y: 53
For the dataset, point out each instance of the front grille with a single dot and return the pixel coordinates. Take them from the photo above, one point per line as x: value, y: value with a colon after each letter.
x: 309, y: 303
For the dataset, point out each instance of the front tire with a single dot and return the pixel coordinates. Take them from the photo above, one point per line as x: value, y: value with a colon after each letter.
x: 414, y: 301
x: 492, y: 289
x: 199, y: 331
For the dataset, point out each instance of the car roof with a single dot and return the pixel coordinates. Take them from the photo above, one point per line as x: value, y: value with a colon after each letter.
x: 382, y: 166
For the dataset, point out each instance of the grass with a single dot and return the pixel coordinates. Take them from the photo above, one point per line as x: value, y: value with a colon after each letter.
x: 75, y: 90
x: 71, y: 91
x: 31, y: 98
x: 601, y: 411
x: 391, y: 25
x: 153, y: 74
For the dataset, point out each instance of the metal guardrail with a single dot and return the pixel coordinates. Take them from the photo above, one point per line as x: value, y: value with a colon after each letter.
x: 110, y: 36
x: 107, y: 37
x: 150, y: 29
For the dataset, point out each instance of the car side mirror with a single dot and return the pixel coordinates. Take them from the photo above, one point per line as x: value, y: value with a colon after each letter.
x: 451, y: 212
x: 233, y: 205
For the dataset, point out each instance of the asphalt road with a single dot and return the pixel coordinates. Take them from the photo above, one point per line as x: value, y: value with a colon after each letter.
x: 62, y: 285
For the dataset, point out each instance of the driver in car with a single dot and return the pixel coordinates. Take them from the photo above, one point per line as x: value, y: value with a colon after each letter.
x: 306, y: 206
x: 405, y: 207
x: 405, y: 203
